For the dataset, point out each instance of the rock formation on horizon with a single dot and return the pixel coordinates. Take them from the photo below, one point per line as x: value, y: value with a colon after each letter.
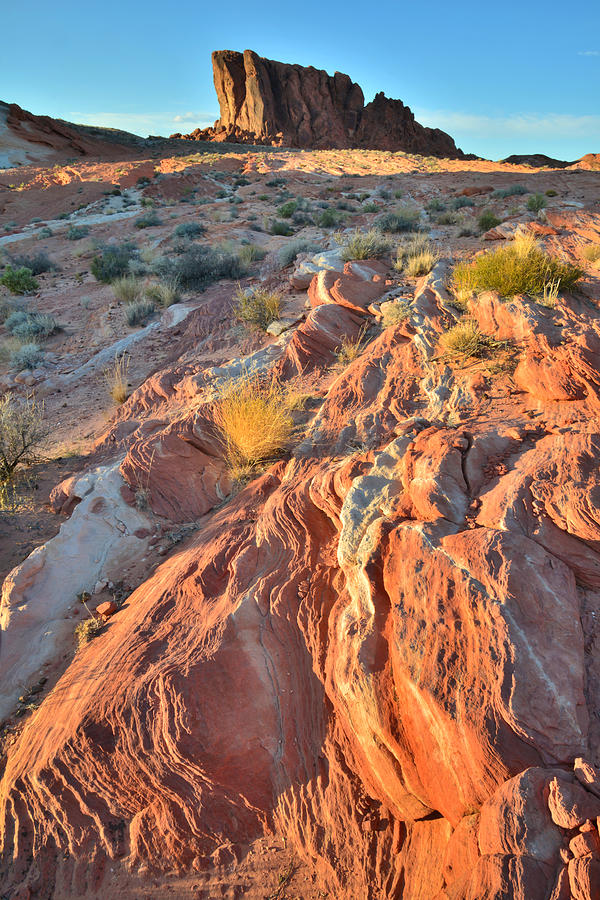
x: 267, y: 102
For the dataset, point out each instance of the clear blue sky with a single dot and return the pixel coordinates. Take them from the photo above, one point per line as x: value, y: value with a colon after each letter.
x: 515, y: 77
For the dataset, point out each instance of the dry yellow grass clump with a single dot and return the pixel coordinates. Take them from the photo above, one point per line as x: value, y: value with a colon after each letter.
x: 416, y: 257
x: 463, y: 340
x: 116, y: 379
x: 254, y: 423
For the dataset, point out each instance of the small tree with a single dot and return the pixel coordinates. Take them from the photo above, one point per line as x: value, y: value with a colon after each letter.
x: 23, y: 433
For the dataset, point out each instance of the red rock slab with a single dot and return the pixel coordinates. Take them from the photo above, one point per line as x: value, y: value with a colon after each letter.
x: 356, y: 288
x: 316, y: 340
x: 584, y: 878
x: 570, y: 805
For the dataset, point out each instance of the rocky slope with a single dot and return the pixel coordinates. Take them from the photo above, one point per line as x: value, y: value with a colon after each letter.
x: 267, y: 102
x: 381, y: 652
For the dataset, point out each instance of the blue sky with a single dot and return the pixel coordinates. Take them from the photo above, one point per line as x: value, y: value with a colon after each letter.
x: 517, y: 77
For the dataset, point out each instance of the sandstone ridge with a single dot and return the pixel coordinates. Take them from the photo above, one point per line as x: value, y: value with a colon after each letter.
x: 267, y: 102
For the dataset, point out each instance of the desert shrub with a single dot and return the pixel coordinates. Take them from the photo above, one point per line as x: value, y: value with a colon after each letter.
x: 77, y: 232
x: 286, y: 210
x: 116, y: 378
x: 112, y: 262
x: 249, y: 253
x: 416, y: 257
x: 254, y: 423
x: 87, y: 630
x: 435, y: 206
x: 351, y: 348
x: 23, y: 434
x: 515, y: 190
x: 395, y: 313
x: 551, y: 193
x: 138, y: 311
x: 143, y: 181
x: 591, y: 253
x: 127, y: 288
x: 487, y: 220
x: 165, y: 293
x: 330, y: 218
x: 257, y: 307
x: 19, y: 281
x: 38, y: 263
x: 398, y: 194
x: 275, y: 182
x: 536, y: 203
x: 404, y: 219
x: 201, y: 265
x: 363, y: 245
x: 519, y: 268
x: 463, y: 339
x: 344, y: 205
x: 369, y: 207
x: 281, y: 228
x: 44, y: 233
x: 189, y: 229
x: 149, y: 220
x: 25, y: 357
x: 448, y: 218
x: 29, y: 325
x: 461, y: 202
x: 549, y: 295
x: 288, y: 253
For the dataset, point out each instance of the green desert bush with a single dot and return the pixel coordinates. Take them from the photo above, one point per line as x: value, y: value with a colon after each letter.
x: 514, y: 191
x: 26, y: 325
x: 288, y: 253
x: 536, y: 203
x: 38, y: 263
x: 19, y: 281
x: 405, y: 218
x: 77, y: 232
x: 521, y: 267
x: 112, y: 261
x: 436, y: 205
x: 23, y: 434
x: 461, y: 202
x: 25, y: 357
x: 138, y: 311
x: 189, y: 229
x: 449, y: 218
x: 330, y: 218
x: 286, y: 210
x: 416, y: 257
x: 201, y: 265
x: 280, y: 228
x: 395, y: 313
x: 148, y: 220
x: 257, y: 307
x: 363, y: 244
x: 487, y: 220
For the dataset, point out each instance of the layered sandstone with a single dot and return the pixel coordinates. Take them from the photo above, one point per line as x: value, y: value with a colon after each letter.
x: 267, y: 102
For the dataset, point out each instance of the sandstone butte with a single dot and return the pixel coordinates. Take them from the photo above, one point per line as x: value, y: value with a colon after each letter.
x: 267, y: 102
x: 373, y: 671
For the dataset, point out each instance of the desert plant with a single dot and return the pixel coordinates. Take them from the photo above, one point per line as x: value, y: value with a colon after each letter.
x: 280, y: 228
x: 116, y: 378
x: 330, y: 218
x: 395, y: 313
x: 286, y: 210
x: 461, y: 202
x: 487, y: 220
x: 351, y: 348
x: 591, y: 253
x: 87, y: 630
x: 416, y: 257
x: 23, y: 434
x: 436, y: 205
x: 19, y: 281
x: 165, y: 293
x: 38, y: 263
x: 77, y: 232
x: 257, y: 307
x: 536, y: 203
x: 27, y: 325
x: 363, y: 244
x: 288, y: 253
x: 369, y: 207
x: 520, y: 268
x: 254, y: 422
x: 112, y: 262
x: 249, y: 253
x: 148, y: 220
x: 200, y: 265
x: 463, y: 340
x: 514, y: 191
x: 405, y: 218
x: 138, y: 311
x: 127, y: 288
x: 549, y: 295
x: 25, y: 357
x: 189, y: 229
x: 449, y: 218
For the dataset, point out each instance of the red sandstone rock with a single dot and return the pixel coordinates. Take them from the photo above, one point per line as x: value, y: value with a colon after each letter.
x: 107, y: 609
x: 570, y: 805
x: 584, y: 878
x: 268, y: 102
